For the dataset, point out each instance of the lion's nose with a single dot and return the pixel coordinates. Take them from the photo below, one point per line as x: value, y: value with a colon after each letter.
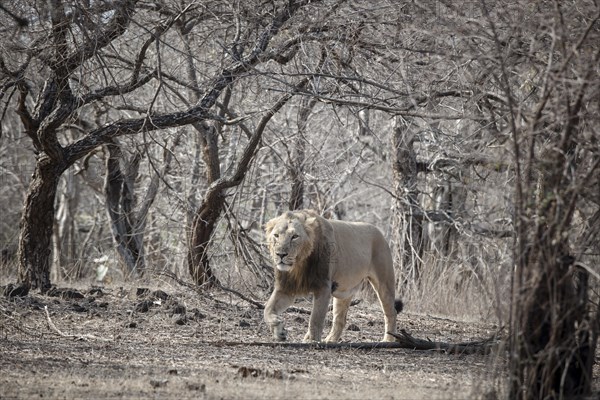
x: 281, y: 255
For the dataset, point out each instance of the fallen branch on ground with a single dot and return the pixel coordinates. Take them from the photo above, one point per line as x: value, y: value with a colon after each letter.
x: 315, y: 345
x: 473, y: 347
x: 404, y: 341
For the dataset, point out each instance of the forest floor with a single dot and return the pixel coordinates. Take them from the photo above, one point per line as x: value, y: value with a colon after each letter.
x: 134, y: 342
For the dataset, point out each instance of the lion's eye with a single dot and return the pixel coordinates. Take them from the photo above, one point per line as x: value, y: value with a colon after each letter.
x: 295, y: 237
x: 276, y: 235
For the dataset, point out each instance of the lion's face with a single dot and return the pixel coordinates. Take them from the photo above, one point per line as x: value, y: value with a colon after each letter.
x: 289, y: 240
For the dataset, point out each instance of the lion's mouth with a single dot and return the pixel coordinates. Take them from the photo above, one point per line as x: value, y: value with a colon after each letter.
x: 283, y: 266
x: 283, y: 262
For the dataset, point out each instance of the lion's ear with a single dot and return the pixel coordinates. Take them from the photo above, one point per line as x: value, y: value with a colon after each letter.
x: 311, y: 222
x: 269, y: 226
x: 299, y: 215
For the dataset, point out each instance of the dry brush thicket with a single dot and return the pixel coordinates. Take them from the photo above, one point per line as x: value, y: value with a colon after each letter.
x: 164, y: 134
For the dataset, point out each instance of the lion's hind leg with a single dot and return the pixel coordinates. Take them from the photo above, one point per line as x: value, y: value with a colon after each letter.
x: 340, y: 313
x: 385, y: 293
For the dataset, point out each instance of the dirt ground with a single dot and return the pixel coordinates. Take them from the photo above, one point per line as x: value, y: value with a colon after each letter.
x: 178, y: 343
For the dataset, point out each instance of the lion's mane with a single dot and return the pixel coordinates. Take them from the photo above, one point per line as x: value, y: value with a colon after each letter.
x: 311, y: 268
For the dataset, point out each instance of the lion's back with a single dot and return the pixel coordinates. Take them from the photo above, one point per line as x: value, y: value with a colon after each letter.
x: 359, y: 244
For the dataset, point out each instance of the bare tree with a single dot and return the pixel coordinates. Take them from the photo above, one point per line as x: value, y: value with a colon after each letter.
x: 212, y: 205
x: 407, y: 212
x: 542, y: 85
x: 63, y: 55
x: 297, y: 157
x: 485, y: 98
x: 128, y: 211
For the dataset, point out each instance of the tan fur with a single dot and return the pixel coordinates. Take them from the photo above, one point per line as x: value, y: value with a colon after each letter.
x: 327, y: 258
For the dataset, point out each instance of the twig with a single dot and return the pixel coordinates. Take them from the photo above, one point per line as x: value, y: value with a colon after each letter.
x: 201, y: 290
x: 255, y: 303
x: 171, y: 275
x: 61, y: 333
x: 51, y: 324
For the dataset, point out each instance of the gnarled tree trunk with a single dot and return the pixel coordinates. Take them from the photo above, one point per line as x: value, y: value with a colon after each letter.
x: 205, y: 220
x: 120, y: 202
x: 209, y: 211
x: 37, y: 221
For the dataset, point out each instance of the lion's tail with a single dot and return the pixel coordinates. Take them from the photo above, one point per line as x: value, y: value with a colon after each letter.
x: 398, y: 305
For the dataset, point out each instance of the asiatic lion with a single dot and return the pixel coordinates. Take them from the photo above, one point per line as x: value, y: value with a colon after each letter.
x: 327, y: 258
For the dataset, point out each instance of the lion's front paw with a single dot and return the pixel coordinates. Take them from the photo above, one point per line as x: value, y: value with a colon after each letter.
x: 279, y: 333
x: 389, y: 338
x: 308, y: 338
x: 331, y: 339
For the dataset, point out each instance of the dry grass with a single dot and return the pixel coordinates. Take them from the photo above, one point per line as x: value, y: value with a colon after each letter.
x: 478, y: 291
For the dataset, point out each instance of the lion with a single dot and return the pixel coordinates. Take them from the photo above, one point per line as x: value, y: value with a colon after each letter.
x: 327, y: 258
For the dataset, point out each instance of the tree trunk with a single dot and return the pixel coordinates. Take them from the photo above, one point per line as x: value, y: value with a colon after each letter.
x: 408, y: 226
x: 65, y: 252
x: 296, y: 172
x: 204, y: 219
x: 555, y: 329
x: 118, y: 189
x: 35, y: 238
x: 296, y: 168
x: 208, y: 213
x: 204, y: 223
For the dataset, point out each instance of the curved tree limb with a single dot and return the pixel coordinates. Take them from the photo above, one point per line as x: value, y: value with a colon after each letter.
x: 193, y: 114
